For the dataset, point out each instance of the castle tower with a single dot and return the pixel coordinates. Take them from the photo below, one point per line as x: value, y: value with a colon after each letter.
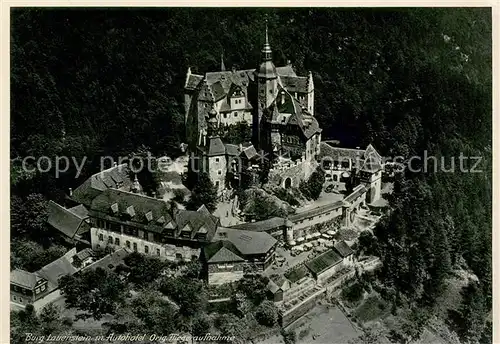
x: 216, y: 164
x: 310, y: 94
x: 267, y: 88
x: 222, y: 65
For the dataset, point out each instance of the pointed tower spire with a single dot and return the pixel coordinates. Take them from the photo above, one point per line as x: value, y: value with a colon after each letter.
x: 267, y: 36
x: 222, y: 66
x: 266, y: 50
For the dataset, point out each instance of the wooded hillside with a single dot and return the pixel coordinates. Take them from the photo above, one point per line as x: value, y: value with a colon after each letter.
x: 104, y: 82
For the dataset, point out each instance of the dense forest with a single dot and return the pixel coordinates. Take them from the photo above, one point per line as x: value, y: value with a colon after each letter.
x: 88, y: 83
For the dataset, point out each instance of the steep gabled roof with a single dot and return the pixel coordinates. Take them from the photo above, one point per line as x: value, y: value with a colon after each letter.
x: 246, y: 242
x: 294, y: 83
x: 261, y: 226
x: 215, y: 146
x: 340, y: 154
x: 204, y: 210
x: 218, y: 91
x: 193, y: 81
x: 114, y: 177
x: 110, y: 262
x: 117, y: 203
x: 24, y: 278
x: 196, y: 220
x: 372, y: 160
x: 80, y: 211
x: 232, y: 150
x: 249, y: 152
x: 285, y: 71
x: 64, y: 220
x: 222, y: 251
x: 285, y: 103
x: 59, y: 267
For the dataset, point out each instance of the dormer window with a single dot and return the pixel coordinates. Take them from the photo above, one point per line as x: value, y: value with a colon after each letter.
x: 114, y: 208
x: 131, y: 211
x: 161, y: 219
x: 149, y: 216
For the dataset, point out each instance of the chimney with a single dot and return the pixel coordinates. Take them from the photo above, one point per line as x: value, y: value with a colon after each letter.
x: 288, y: 62
x: 241, y: 147
x: 70, y: 192
x: 154, y: 194
x: 282, y: 97
x: 115, y: 164
x: 357, y: 147
x: 233, y: 69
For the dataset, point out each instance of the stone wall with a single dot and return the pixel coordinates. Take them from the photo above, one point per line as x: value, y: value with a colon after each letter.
x: 294, y: 171
x: 292, y: 314
x: 215, y: 278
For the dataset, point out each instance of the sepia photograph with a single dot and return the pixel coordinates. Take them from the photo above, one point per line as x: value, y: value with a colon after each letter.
x: 261, y: 175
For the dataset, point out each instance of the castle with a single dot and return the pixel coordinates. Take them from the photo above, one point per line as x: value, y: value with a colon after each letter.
x: 274, y: 101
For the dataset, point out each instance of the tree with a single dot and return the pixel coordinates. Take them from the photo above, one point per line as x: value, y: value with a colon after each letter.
x: 353, y: 293
x: 50, y: 318
x: 369, y: 336
x: 267, y: 313
x: 203, y: 193
x: 157, y: 314
x: 238, y: 133
x: 192, y: 270
x: 231, y: 325
x: 262, y: 206
x: 187, y: 293
x: 95, y: 292
x: 254, y: 287
x: 312, y: 188
x: 289, y: 337
x: 143, y: 269
x: 201, y: 325
x: 29, y: 216
x: 471, y: 321
x: 32, y: 256
x: 77, y: 261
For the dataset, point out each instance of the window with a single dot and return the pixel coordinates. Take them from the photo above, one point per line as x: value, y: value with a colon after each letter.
x: 235, y: 114
x: 217, y: 184
x: 37, y: 290
x: 146, y: 249
x: 216, y: 159
x: 219, y: 172
x: 117, y: 241
x: 178, y: 256
x: 193, y: 257
x: 110, y: 240
x: 128, y: 244
x: 225, y: 115
x: 157, y: 251
x: 135, y: 247
x: 101, y: 237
